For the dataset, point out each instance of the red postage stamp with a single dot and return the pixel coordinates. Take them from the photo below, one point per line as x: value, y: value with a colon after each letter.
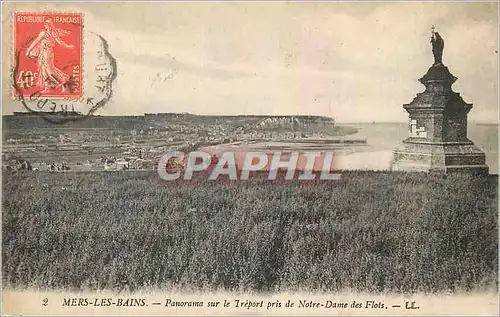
x: 48, y: 55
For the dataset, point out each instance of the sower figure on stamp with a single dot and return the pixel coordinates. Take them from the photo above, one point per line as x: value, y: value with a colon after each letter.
x: 437, y: 47
x: 49, y: 76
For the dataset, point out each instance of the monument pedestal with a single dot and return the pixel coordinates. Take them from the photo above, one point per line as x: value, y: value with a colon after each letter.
x: 435, y: 157
x: 437, y: 140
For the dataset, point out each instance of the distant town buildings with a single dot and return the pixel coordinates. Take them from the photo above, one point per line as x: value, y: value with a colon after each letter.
x: 136, y: 142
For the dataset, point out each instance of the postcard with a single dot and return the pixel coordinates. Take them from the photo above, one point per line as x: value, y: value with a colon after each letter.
x: 250, y: 158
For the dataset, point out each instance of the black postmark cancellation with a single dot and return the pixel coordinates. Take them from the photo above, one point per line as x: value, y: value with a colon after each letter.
x: 99, y: 74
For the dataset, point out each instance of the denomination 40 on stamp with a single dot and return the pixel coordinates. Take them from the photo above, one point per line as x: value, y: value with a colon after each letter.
x: 48, y: 54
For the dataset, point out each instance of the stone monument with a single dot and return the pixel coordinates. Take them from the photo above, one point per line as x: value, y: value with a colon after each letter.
x: 437, y: 138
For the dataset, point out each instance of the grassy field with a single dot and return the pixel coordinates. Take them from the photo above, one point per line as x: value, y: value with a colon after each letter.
x: 370, y: 232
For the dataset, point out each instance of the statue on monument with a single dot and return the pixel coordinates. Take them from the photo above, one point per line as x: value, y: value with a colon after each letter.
x: 437, y: 140
x: 437, y: 47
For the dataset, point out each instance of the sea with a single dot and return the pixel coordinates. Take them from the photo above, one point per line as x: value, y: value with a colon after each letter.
x: 382, y: 138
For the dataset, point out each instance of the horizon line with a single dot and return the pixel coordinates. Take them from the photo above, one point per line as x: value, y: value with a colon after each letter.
x: 241, y: 115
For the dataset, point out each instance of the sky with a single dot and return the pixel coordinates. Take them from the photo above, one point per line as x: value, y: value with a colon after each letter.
x: 355, y: 62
